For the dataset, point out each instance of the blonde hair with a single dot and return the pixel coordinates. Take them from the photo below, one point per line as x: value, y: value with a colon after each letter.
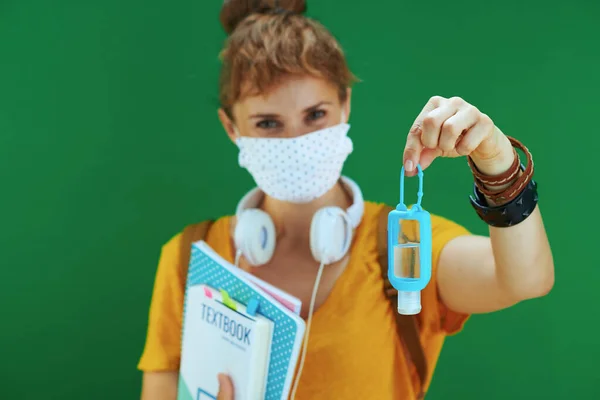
x: 268, y: 42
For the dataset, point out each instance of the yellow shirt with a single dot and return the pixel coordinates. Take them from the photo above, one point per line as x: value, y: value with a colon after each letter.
x: 353, y: 351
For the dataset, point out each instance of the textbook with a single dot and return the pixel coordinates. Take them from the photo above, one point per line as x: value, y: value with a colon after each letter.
x: 220, y: 336
x: 236, y: 324
x: 286, y: 300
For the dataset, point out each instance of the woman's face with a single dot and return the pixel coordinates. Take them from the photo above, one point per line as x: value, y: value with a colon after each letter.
x: 297, y: 106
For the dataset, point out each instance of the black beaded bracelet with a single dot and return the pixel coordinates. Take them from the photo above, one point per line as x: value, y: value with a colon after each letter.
x: 509, y: 214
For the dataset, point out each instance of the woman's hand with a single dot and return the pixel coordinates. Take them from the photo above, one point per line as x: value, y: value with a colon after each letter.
x: 225, y: 388
x: 479, y: 274
x: 453, y: 128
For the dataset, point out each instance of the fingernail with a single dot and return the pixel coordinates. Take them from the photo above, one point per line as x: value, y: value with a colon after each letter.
x: 408, y: 165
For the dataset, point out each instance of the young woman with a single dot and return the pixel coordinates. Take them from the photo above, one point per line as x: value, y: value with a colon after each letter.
x: 285, y: 100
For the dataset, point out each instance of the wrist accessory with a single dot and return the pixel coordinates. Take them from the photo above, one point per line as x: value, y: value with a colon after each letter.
x: 522, y: 176
x: 509, y: 214
x: 512, y: 204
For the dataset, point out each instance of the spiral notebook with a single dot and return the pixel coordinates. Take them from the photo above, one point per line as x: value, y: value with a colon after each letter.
x: 222, y: 335
x: 209, y: 270
x: 290, y: 302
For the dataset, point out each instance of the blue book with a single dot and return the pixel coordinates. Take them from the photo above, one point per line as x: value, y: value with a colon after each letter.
x: 231, y: 325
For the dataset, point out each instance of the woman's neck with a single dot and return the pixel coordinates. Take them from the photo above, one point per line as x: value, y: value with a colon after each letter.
x: 293, y: 220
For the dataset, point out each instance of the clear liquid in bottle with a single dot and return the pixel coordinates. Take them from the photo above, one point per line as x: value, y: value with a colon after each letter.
x: 407, y: 265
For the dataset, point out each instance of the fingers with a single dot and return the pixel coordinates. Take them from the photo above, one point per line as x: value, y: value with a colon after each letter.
x: 446, y: 128
x: 475, y: 135
x: 414, y: 146
x: 225, y: 388
x: 457, y: 124
x: 433, y: 123
x: 427, y: 157
x: 413, y: 149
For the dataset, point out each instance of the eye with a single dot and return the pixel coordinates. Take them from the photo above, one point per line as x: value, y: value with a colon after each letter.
x: 316, y: 114
x: 268, y: 124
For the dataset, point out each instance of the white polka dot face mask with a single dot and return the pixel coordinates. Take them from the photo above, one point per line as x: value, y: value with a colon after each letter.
x: 299, y: 169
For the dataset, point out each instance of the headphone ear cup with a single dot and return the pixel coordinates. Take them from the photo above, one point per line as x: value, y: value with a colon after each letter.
x: 254, y: 236
x: 330, y: 235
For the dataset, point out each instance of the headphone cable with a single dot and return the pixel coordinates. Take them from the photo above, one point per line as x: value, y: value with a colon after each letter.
x: 308, y: 324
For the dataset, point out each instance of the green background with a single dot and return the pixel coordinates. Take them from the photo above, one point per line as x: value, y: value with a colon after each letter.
x: 110, y: 143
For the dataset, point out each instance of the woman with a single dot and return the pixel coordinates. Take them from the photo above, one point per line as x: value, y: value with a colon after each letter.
x: 284, y: 76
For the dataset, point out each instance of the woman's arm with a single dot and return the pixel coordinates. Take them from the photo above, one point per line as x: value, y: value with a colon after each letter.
x: 160, y: 385
x: 478, y: 274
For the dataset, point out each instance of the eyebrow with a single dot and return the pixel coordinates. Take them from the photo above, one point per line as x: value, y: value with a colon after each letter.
x: 308, y: 109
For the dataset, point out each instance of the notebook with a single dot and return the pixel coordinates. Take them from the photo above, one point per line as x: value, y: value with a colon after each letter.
x: 221, y: 336
x: 208, y: 269
x: 290, y: 302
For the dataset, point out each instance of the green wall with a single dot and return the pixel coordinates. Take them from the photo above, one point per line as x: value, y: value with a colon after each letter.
x: 110, y: 143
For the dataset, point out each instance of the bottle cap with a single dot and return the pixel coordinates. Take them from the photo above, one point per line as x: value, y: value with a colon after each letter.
x: 409, y: 303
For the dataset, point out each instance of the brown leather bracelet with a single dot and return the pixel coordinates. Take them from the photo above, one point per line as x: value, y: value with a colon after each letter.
x: 483, y: 182
x: 508, y: 176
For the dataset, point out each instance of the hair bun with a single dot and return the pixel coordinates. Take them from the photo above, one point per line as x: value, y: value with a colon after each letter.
x: 235, y: 11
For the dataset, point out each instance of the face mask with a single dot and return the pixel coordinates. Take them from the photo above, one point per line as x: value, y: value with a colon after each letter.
x: 300, y: 169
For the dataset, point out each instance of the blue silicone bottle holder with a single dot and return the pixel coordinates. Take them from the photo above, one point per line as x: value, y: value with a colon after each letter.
x: 414, y: 213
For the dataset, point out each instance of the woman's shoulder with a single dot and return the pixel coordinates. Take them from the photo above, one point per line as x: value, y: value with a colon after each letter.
x: 215, y: 232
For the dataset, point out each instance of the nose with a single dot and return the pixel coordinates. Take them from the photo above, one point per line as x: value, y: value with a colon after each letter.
x: 296, y: 130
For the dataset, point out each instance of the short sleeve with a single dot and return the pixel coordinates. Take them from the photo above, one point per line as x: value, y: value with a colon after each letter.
x: 163, y: 340
x: 439, y: 317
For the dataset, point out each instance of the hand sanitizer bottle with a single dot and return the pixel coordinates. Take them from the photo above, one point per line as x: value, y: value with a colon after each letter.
x: 409, y: 260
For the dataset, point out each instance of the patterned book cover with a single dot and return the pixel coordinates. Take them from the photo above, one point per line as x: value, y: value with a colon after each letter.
x: 208, y: 268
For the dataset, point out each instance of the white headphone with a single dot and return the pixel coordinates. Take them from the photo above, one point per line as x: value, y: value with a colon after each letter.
x: 331, y: 228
